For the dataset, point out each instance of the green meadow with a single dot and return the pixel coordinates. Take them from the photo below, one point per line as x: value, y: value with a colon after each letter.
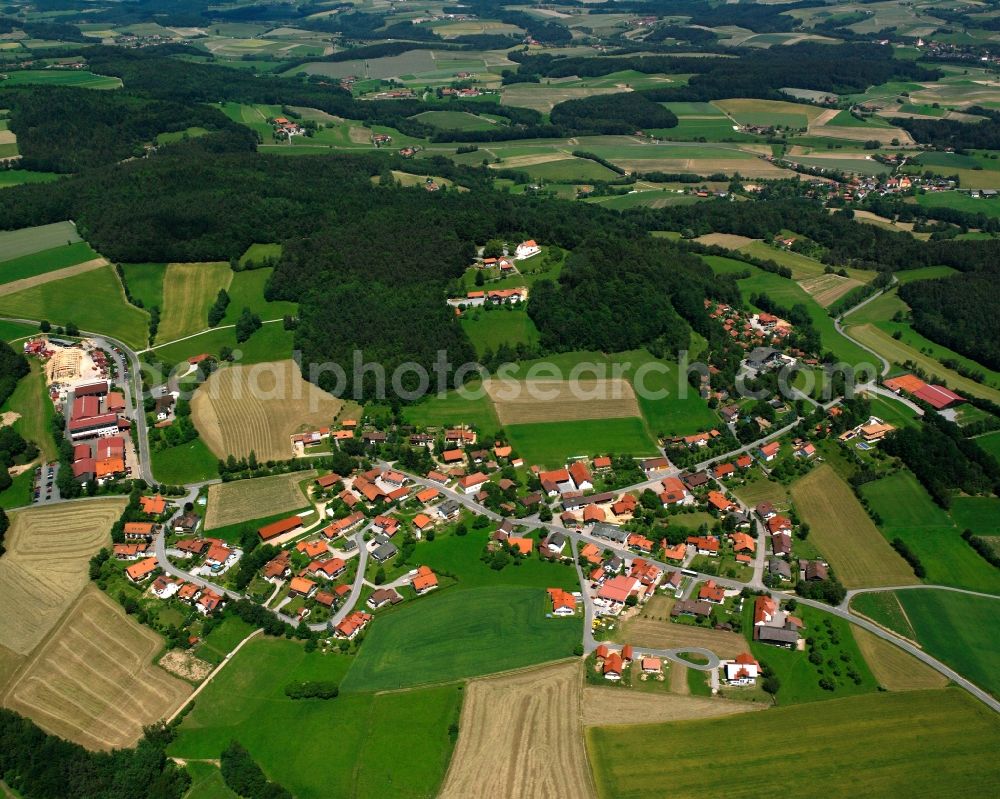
x: 247, y: 291
x: 15, y: 243
x: 961, y: 630
x: 39, y: 263
x: 188, y: 463
x: 460, y: 634
x: 145, y: 283
x: 79, y: 79
x: 907, y: 512
x: 94, y: 301
x: 396, y: 744
x: 551, y: 443
x: 488, y: 330
x: 15, y: 177
x: 882, y: 744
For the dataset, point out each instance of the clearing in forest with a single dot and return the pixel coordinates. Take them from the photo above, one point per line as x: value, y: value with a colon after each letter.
x: 189, y: 290
x: 244, y: 409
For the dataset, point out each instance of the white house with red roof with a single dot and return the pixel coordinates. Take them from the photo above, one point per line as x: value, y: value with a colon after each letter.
x: 526, y: 249
x: 741, y: 671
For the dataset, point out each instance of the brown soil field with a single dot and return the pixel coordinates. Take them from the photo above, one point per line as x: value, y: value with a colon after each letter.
x: 544, y: 98
x: 359, y: 135
x: 651, y: 628
x: 884, y: 135
x: 845, y: 535
x: 519, y: 161
x: 244, y: 408
x: 747, y: 167
x: 7, y: 137
x: 188, y: 292
x: 521, y: 735
x: 185, y: 665
x: 243, y: 500
x: 45, y: 566
x: 893, y: 668
x: 526, y: 401
x: 827, y: 289
x: 678, y: 679
x: 59, y: 274
x: 730, y: 241
x: 604, y: 706
x: 93, y: 681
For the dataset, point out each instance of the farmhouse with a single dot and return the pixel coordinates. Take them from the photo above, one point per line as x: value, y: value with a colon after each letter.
x: 208, y: 601
x: 312, y: 549
x: 689, y: 607
x: 610, y: 532
x: 342, y: 526
x: 383, y: 596
x: 130, y: 551
x: 154, y: 506
x: 424, y: 580
x: 138, y: 531
x: 278, y: 567
x: 352, y: 625
x: 563, y: 602
x: 526, y: 249
x: 280, y: 527
x: 710, y: 592
x: 705, y: 544
x: 768, y: 452
x: 720, y: 502
x: 613, y: 594
x: 301, y: 586
x: 741, y: 671
x: 652, y: 465
x: 138, y: 572
x: 473, y: 482
x: 331, y: 568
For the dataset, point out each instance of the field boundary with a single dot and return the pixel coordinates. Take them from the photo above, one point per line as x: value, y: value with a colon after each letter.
x: 50, y: 277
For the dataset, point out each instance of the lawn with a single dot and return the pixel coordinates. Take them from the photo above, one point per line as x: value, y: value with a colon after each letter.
x: 487, y: 330
x: 145, y: 283
x: 892, y: 411
x: 453, y: 409
x: 11, y: 331
x: 18, y: 493
x: 459, y: 556
x: 461, y: 634
x: 960, y: 201
x: 389, y: 744
x: 15, y: 243
x: 979, y: 514
x: 31, y: 400
x: 94, y: 301
x: 77, y: 78
x: 908, y: 512
x: 959, y: 629
x: 188, y: 463
x: 40, y: 263
x: 551, y: 443
x: 15, y: 177
x: 843, y: 532
x: 223, y: 639
x: 258, y: 252
x: 937, y: 742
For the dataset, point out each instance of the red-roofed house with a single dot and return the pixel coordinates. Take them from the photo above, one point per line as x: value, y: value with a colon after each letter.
x: 710, y: 592
x: 581, y: 477
x: 563, y: 602
x: 768, y: 452
x: 353, y: 624
x: 705, y: 544
x: 425, y: 580
x: 280, y: 527
x: 612, y: 667
x: 723, y: 470
x: 939, y: 397
x: 720, y: 501
x: 743, y: 670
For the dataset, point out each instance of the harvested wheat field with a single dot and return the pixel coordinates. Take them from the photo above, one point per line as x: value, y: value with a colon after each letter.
x: 521, y: 736
x: 893, y: 668
x: 730, y: 241
x: 747, y: 167
x: 677, y: 674
x: 189, y: 290
x: 528, y: 401
x: 521, y: 161
x: 827, y: 289
x: 843, y: 532
x: 652, y: 628
x: 604, y: 706
x: 243, y: 500
x: 256, y: 408
x: 93, y: 681
x: 45, y: 566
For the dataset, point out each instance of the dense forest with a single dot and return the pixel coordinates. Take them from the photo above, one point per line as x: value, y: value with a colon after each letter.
x: 943, y: 460
x: 844, y: 241
x: 612, y: 114
x: 944, y: 133
x: 757, y: 73
x: 617, y: 294
x: 42, y: 766
x: 13, y: 366
x: 67, y: 130
x: 959, y: 312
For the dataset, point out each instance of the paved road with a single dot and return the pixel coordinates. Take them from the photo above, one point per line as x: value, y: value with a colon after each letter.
x: 837, y: 323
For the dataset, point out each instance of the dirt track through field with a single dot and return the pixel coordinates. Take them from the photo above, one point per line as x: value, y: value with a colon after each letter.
x: 242, y: 500
x: 257, y: 408
x: 45, y: 566
x: 94, y: 681
x: 521, y: 736
x: 528, y: 401
x: 604, y: 706
x: 37, y: 280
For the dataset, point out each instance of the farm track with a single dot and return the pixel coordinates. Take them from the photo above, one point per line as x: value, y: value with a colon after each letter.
x: 49, y: 277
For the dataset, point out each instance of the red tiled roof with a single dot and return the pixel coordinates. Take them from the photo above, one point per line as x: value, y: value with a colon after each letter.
x: 280, y: 527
